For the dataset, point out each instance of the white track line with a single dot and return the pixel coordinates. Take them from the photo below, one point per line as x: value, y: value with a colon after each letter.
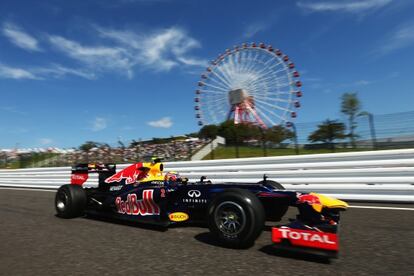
x: 381, y: 207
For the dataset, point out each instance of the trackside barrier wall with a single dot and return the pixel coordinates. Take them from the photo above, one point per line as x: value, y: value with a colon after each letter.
x: 366, y: 176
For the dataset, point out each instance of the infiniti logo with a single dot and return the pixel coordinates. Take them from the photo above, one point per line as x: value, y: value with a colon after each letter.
x: 194, y: 193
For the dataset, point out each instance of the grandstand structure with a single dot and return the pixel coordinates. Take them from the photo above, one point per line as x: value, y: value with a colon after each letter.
x: 173, y: 150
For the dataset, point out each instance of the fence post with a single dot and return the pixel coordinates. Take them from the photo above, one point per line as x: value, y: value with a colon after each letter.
x: 295, y: 135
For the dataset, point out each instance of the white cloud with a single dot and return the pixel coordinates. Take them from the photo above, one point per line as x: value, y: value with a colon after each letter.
x: 45, y: 141
x: 344, y: 6
x: 402, y: 37
x: 165, y: 122
x: 161, y: 50
x: 119, y: 51
x: 42, y: 73
x: 254, y: 28
x: 20, y: 38
x: 123, y: 51
x: 102, y: 58
x: 58, y: 71
x: 99, y: 124
x: 7, y: 72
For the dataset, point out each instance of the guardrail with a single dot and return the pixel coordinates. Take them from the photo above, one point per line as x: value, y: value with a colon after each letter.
x: 367, y: 176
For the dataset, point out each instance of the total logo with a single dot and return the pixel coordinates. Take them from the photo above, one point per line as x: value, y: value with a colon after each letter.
x: 307, y: 238
x: 312, y: 237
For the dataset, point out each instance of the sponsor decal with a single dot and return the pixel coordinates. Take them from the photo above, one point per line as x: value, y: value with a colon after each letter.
x: 115, y: 188
x: 194, y: 193
x: 178, y: 216
x: 78, y: 178
x: 310, y: 199
x: 194, y: 200
x: 133, y: 206
x: 307, y: 238
x: 130, y: 174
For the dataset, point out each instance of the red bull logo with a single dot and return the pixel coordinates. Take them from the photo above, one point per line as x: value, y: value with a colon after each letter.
x: 309, y: 198
x: 312, y: 200
x: 133, y: 206
x: 130, y: 174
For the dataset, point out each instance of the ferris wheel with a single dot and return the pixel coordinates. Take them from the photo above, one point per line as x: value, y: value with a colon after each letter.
x: 252, y: 83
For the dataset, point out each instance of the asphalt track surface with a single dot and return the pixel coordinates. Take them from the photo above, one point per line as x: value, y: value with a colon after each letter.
x: 35, y: 242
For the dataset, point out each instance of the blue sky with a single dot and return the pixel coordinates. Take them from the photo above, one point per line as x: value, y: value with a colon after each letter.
x: 72, y: 71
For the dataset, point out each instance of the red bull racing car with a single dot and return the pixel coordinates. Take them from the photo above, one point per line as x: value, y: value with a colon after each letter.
x: 234, y: 212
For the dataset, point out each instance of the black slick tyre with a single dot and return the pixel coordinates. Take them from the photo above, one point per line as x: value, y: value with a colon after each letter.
x: 236, y: 218
x: 70, y: 201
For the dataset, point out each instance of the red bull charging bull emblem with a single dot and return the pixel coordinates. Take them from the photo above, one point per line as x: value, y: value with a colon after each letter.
x: 133, y: 206
x: 312, y: 200
x: 130, y: 174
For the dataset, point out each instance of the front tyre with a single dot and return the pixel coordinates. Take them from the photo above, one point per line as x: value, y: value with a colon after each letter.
x: 236, y: 218
x: 70, y: 201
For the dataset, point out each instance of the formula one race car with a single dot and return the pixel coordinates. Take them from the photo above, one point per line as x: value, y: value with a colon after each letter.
x: 235, y: 212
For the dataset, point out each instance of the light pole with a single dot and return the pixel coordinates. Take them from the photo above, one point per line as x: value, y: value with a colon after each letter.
x: 295, y: 135
x: 371, y: 127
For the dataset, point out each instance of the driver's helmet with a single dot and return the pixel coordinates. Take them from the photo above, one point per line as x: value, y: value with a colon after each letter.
x: 172, y: 176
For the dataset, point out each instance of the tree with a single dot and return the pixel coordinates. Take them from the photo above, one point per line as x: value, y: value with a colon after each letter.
x: 88, y: 145
x: 351, y: 106
x: 277, y: 134
x: 208, y: 131
x: 328, y: 132
x: 236, y: 134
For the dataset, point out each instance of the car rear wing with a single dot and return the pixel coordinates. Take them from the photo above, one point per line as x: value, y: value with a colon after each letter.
x: 80, y: 172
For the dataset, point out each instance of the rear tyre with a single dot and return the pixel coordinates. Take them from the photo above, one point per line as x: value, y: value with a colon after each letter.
x: 70, y: 201
x: 236, y: 218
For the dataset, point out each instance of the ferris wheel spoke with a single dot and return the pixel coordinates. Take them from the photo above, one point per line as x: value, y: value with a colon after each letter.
x: 228, y: 76
x: 266, y: 69
x: 269, y: 77
x: 272, y: 99
x: 255, y: 62
x: 217, y: 100
x: 265, y: 116
x: 219, y: 71
x: 207, y: 92
x: 273, y: 106
x: 268, y: 110
x: 234, y: 65
x: 219, y: 83
x: 224, y: 80
x: 269, y: 70
x: 216, y: 87
x: 250, y: 65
